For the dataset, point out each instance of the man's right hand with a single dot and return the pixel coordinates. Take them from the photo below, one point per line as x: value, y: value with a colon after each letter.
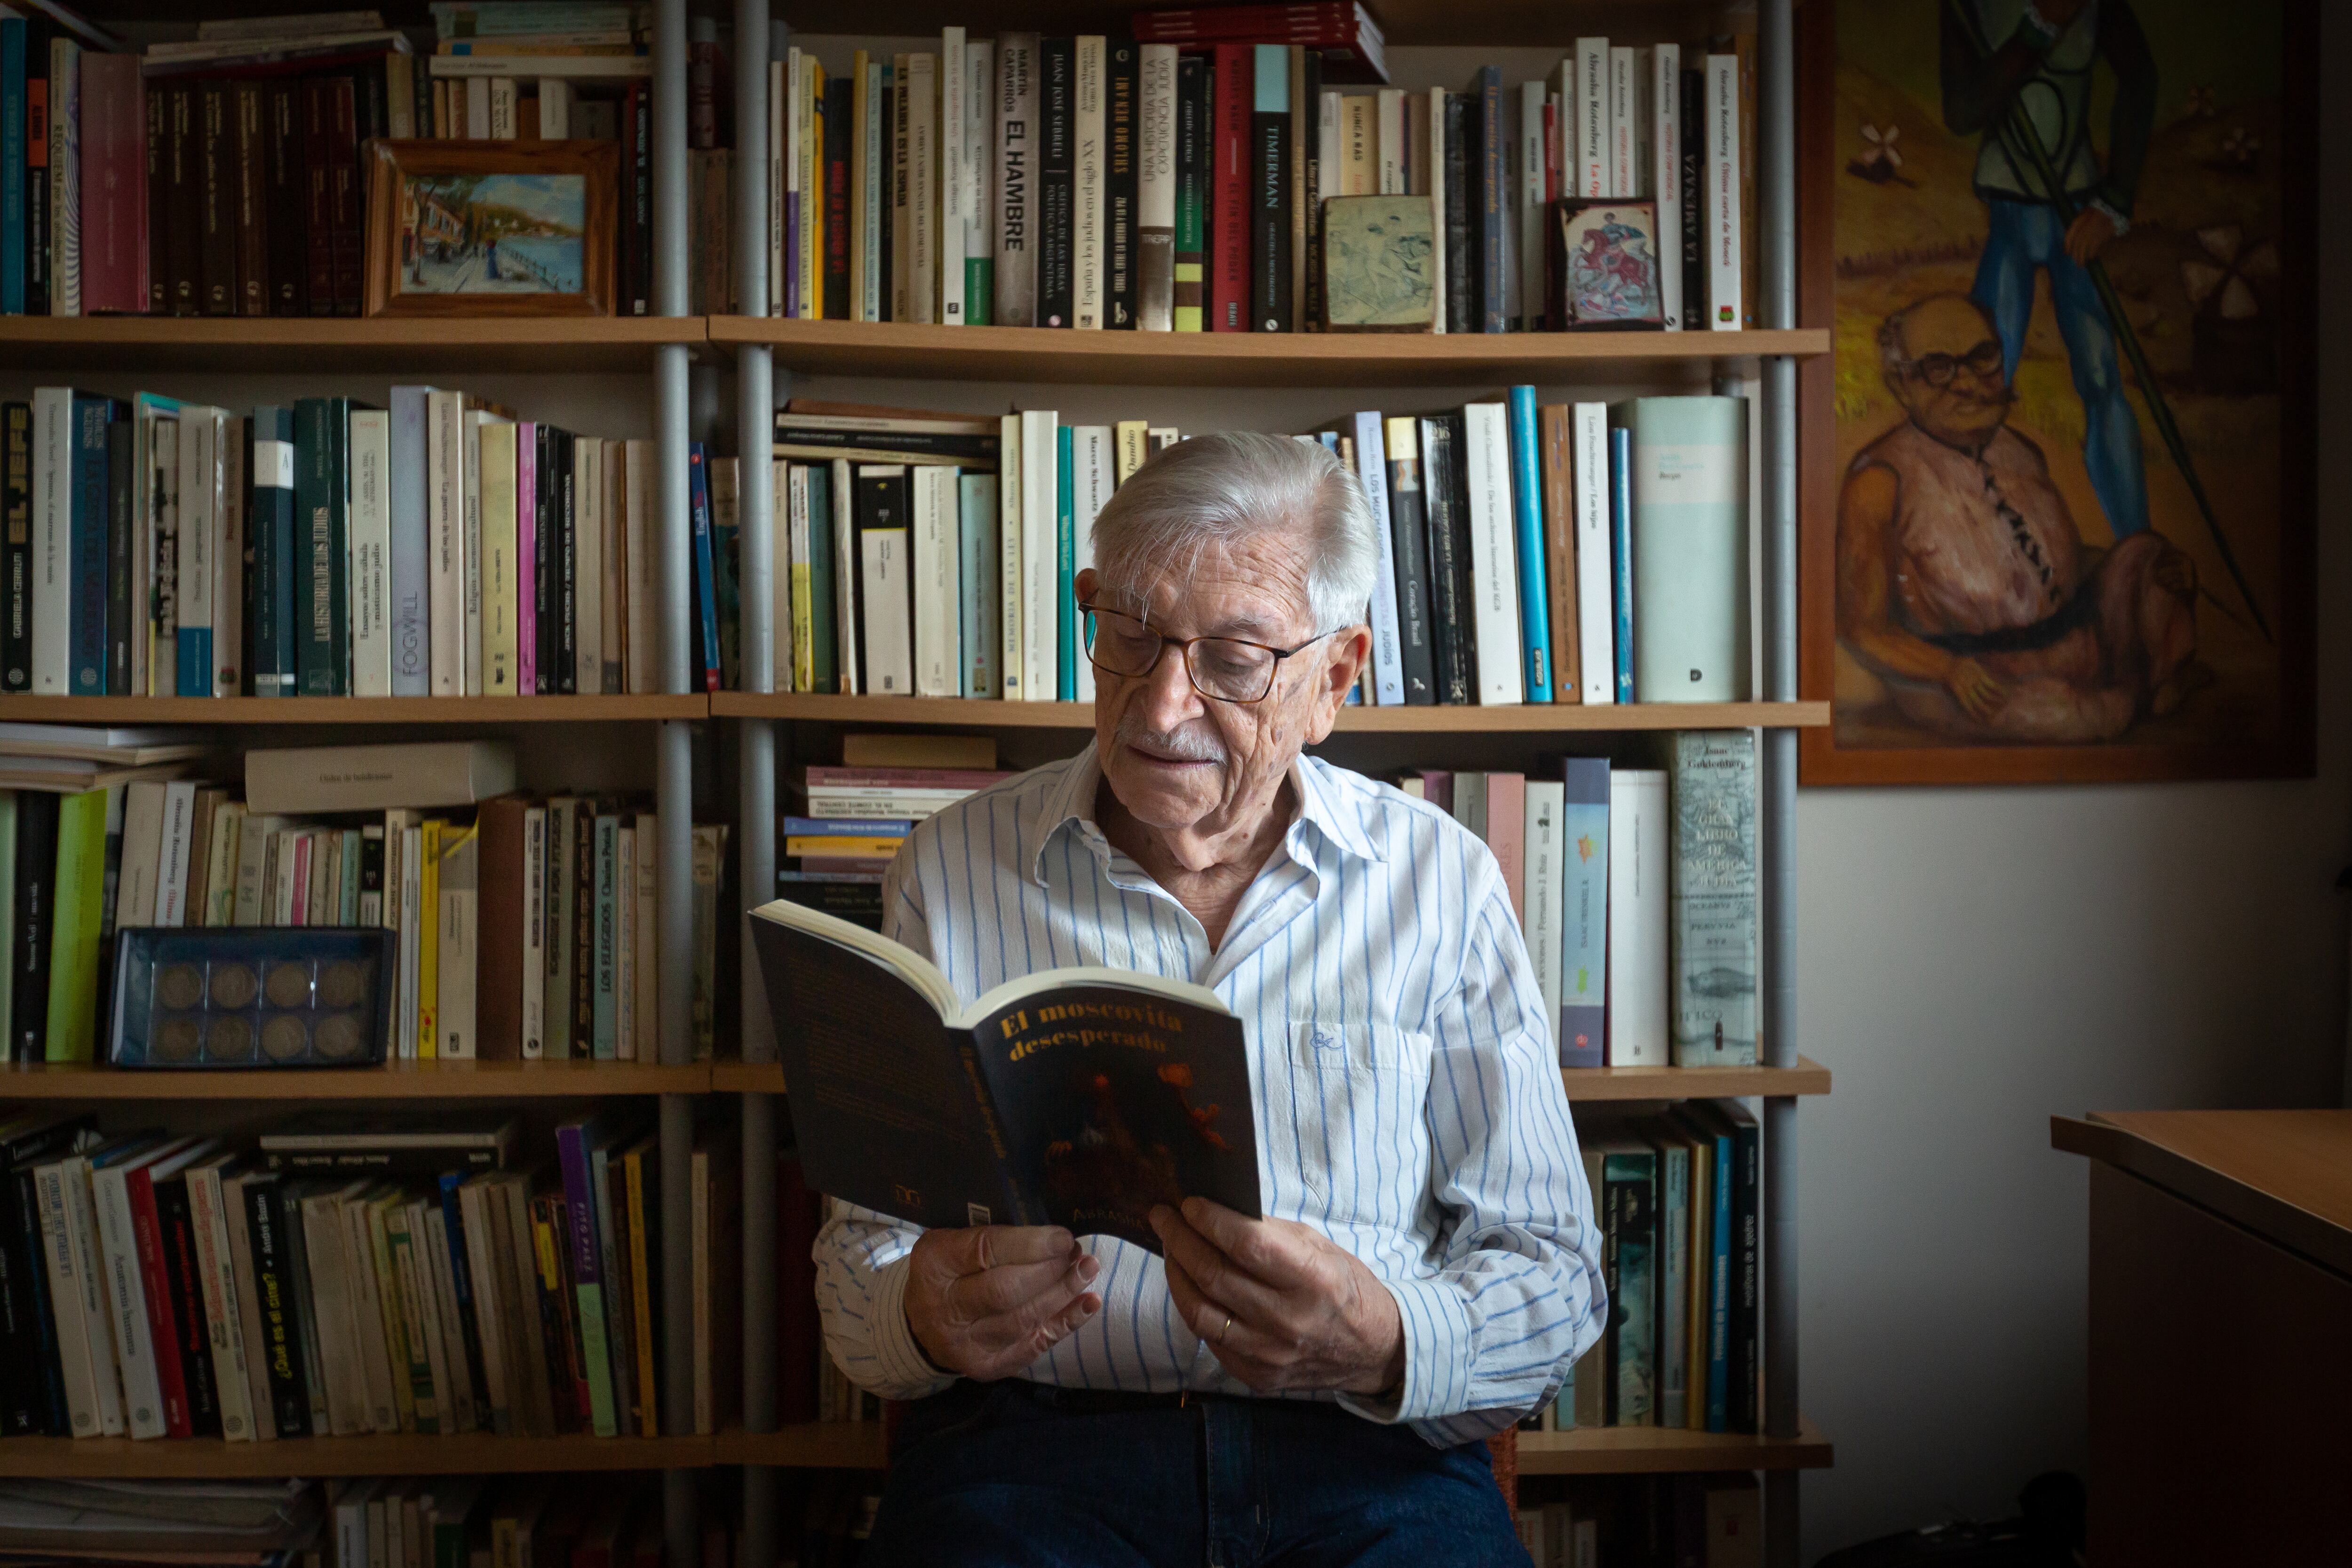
x: 1977, y: 689
x: 987, y: 1301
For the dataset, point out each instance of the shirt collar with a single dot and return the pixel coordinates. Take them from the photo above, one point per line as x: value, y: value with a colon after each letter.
x: 1069, y: 804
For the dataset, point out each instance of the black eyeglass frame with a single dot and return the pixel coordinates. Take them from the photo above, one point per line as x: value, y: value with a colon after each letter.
x: 1166, y: 642
x: 1940, y: 370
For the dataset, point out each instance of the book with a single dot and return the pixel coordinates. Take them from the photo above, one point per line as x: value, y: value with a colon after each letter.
x: 1409, y: 529
x: 1156, y: 156
x: 1638, y: 861
x: 1056, y: 182
x: 1527, y: 512
x: 1159, y: 1068
x: 1555, y: 432
x: 377, y: 778
x: 1089, y: 185
x: 1193, y: 165
x: 1494, y: 555
x: 1364, y: 432
x: 1596, y: 609
x: 883, y: 624
x: 1623, y: 567
x: 1272, y: 299
x: 1711, y: 908
x: 1016, y: 174
x: 1230, y: 228
x: 1721, y: 226
x: 1689, y: 473
x: 69, y: 1031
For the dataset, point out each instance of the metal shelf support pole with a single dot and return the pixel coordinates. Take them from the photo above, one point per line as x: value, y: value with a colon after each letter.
x: 1777, y: 123
x: 756, y: 758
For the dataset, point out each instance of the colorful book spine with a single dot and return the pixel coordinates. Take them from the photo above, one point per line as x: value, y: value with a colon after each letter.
x: 1231, y: 104
x: 1270, y: 174
x: 1189, y: 285
x: 1621, y: 555
x: 1584, y: 912
x: 1371, y: 476
x: 573, y: 1141
x: 1065, y: 610
x: 1156, y: 188
x: 1527, y: 512
x: 705, y: 571
x: 79, y: 895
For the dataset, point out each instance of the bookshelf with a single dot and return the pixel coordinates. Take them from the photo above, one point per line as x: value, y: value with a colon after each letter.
x: 260, y: 711
x: 1221, y: 380
x: 211, y: 1458
x: 266, y: 344
x: 97, y: 1084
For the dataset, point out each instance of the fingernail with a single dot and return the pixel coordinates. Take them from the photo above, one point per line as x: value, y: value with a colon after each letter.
x: 1087, y: 1268
x: 1063, y: 1237
x: 1160, y: 1216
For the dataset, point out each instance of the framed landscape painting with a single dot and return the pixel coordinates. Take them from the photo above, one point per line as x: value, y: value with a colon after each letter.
x: 491, y: 229
x: 2057, y: 471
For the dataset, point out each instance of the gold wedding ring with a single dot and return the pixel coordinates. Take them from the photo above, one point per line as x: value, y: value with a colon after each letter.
x: 1226, y: 1330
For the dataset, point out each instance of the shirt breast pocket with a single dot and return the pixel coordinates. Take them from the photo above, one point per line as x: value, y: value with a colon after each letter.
x: 1347, y: 1140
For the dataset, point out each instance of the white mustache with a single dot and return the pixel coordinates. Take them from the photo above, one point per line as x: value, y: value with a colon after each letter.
x: 1188, y: 744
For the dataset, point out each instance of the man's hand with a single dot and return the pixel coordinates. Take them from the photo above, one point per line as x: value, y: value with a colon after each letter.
x: 2088, y: 235
x: 1977, y: 689
x: 1279, y: 1305
x: 987, y: 1301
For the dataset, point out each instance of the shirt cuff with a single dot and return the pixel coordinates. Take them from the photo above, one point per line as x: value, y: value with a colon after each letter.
x: 2115, y: 214
x: 1436, y: 1328
x: 907, y: 1371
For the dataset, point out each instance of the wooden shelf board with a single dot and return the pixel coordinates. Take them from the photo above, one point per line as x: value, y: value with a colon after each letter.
x: 1241, y: 359
x: 348, y: 709
x: 1590, y: 1084
x: 1644, y: 1450
x: 279, y: 343
x: 746, y: 1077
x: 814, y: 1444
x: 211, y: 1459
x: 395, y: 1080
x: 1538, y: 718
x: 1493, y: 23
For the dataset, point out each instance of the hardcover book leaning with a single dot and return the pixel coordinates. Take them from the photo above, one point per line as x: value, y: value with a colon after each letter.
x: 1072, y: 1097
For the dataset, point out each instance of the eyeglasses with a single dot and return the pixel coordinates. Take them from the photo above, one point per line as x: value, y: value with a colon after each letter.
x: 1938, y: 369
x: 1223, y: 669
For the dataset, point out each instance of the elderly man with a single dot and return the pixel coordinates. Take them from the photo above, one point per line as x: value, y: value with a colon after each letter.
x: 1962, y: 581
x: 1310, y: 1388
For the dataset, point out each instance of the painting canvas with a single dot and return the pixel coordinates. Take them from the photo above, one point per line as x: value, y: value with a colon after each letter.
x: 2057, y: 489
x: 493, y: 234
x: 1604, y: 265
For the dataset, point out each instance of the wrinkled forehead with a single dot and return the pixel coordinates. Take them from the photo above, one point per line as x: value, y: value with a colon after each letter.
x: 1948, y: 326
x: 1252, y: 586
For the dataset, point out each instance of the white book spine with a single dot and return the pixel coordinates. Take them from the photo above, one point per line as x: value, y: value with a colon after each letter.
x: 976, y: 518
x: 1388, y: 644
x: 645, y: 670
x: 588, y: 562
x: 224, y: 1324
x: 97, y: 1299
x: 1596, y: 612
x: 882, y: 561
x: 1723, y: 215
x: 1493, y: 554
x: 648, y: 949
x: 1527, y: 191
x: 369, y: 1332
x: 142, y: 853
x: 1624, y: 182
x: 1094, y: 471
x: 445, y: 519
x: 474, y: 1223
x: 1040, y: 552
x: 444, y: 1331
x: 458, y: 928
x: 1155, y: 220
x: 506, y: 120
x: 938, y: 596
x: 1328, y: 114
x: 1665, y: 173
x: 844, y: 579
x: 955, y: 171
x: 491, y: 443
x: 1637, y: 918
x: 624, y: 962
x: 134, y: 1342
x: 1546, y: 886
x: 1012, y: 652
x: 1592, y: 118
x: 369, y: 534
x: 923, y: 186
x: 66, y: 1296
x: 1327, y: 133
x: 471, y: 546
x: 52, y: 540
x: 1389, y: 151
x: 171, y: 865
x: 1089, y: 252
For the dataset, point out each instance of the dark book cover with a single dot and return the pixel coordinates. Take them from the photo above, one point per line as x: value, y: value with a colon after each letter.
x: 1192, y: 190
x: 322, y: 527
x: 251, y: 108
x: 1691, y: 244
x: 32, y: 1389
x: 36, y: 863
x: 286, y: 182
x: 848, y: 895
x: 822, y: 600
x: 982, y: 451
x: 1307, y: 179
x: 840, y: 103
x: 274, y: 533
x: 159, y: 200
x: 185, y: 1293
x: 301, y: 1313
x: 706, y: 590
x: 461, y: 1291
x: 1746, y: 1369
x: 800, y: 1214
x: 1465, y: 589
x: 1629, y: 1206
x: 38, y: 33
x: 94, y: 482
x: 1450, y: 613
x: 1067, y: 1099
x: 893, y: 163
x: 184, y: 202
x: 217, y: 199
x: 1269, y: 177
x: 1489, y: 148
x: 566, y: 490
x: 1408, y: 533
x: 16, y: 540
x: 347, y: 213
x: 567, y: 1370
x: 1123, y: 175
x: 1460, y: 250
x: 1231, y: 189
x: 114, y: 618
x: 318, y: 195
x: 583, y: 872
x: 1056, y: 181
x: 542, y: 558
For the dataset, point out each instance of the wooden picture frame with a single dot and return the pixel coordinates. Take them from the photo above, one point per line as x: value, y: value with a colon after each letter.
x: 2254, y: 714
x: 491, y: 229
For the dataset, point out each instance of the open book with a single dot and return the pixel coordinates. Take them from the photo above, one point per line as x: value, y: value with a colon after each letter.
x: 1073, y: 1097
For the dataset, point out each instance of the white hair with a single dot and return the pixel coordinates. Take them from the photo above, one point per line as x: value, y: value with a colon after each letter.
x: 1220, y: 488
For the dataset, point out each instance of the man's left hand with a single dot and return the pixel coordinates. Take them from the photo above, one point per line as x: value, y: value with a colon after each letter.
x: 2088, y: 235
x: 1279, y: 1305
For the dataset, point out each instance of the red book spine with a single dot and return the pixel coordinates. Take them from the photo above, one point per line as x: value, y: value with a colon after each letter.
x: 159, y: 269
x: 1228, y: 192
x: 317, y: 120
x: 156, y: 1283
x: 113, y: 186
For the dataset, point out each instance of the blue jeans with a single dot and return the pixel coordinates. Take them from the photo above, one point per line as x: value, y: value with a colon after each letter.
x: 2027, y: 236
x: 1003, y: 1476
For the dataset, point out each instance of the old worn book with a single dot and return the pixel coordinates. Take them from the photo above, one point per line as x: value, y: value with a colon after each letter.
x: 1380, y: 264
x: 377, y: 778
x: 1072, y: 1097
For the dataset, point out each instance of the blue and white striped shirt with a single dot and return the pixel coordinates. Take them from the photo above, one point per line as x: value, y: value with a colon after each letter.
x: 1409, y: 1104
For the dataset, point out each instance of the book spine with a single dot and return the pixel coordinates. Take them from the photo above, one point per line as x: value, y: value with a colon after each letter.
x: 1039, y: 553
x: 1409, y: 528
x: 217, y: 199
x: 142, y: 1270
x: 80, y: 894
x: 248, y: 114
x: 1665, y: 174
x: 321, y: 499
x: 65, y: 177
x: 1690, y: 549
x: 921, y: 96
x: 1193, y: 166
x: 1673, y: 1230
x: 527, y: 571
x: 587, y: 1274
x: 1089, y: 259
x: 12, y: 31
x: 937, y: 553
x: 1722, y: 229
x: 1526, y: 511
x: 1630, y: 1197
x: 1544, y: 880
x: 317, y: 197
x: 1231, y: 203
x: 1371, y: 474
x: 38, y: 816
x: 37, y: 165
x: 1621, y: 555
x: 17, y: 543
x: 981, y: 182
x: 1527, y: 305
x: 1490, y: 219
x: 68, y: 1298
x: 282, y: 1350
x: 834, y: 215
x: 184, y: 1305
x: 93, y: 463
x: 1596, y: 616
x: 113, y: 186
x: 1712, y: 904
x: 420, y: 488
x: 1120, y: 187
x: 981, y: 637
x: 1745, y: 1392
x: 1272, y: 302
x: 1459, y: 270
x: 1493, y: 555
x: 1554, y: 436
x: 706, y: 590
x: 228, y: 544
x: 370, y: 549
x: 273, y: 531
x: 1638, y: 986
x: 1451, y: 666
x: 347, y: 128
x: 1057, y: 174
x: 1065, y: 558
x: 1155, y: 157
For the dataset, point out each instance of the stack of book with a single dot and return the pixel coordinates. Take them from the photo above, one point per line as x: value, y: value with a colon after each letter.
x: 509, y: 1521
x: 1637, y: 890
x: 1675, y: 1197
x: 933, y: 555
x: 1691, y: 1520
x: 850, y: 823
x: 1180, y: 180
x: 230, y: 1524
x: 223, y: 175
x: 325, y: 548
x: 348, y: 1275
